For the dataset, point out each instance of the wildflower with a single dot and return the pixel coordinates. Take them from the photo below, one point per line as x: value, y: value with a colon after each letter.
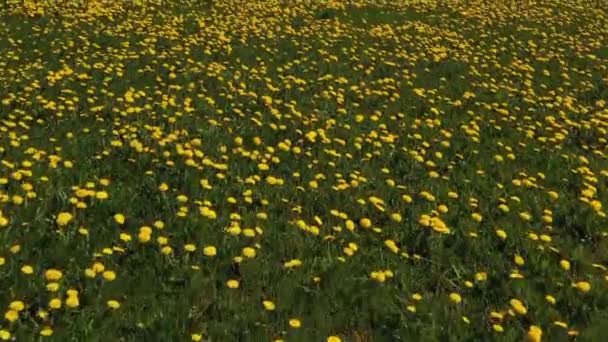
x: 5, y: 335
x: 72, y: 301
x: 392, y: 246
x: 11, y: 315
x: 582, y: 286
x: 55, y: 303
x: 476, y: 217
x: 63, y: 219
x: 109, y: 275
x: 534, y: 333
x: 561, y: 324
x: 268, y: 305
x: 144, y: 234
x: 501, y: 234
x: 455, y: 297
x: 249, y: 252
x: 52, y: 287
x: 98, y: 267
x: 350, y: 225
x: 119, y: 218
x: 210, y: 251
x: 46, y: 331
x: 518, y: 306
x: 17, y: 305
x: 27, y: 269
x: 113, y: 304
x: 295, y: 323
x: 292, y: 263
x: 53, y: 274
x: 43, y: 314
x: 525, y: 216
x: 101, y: 195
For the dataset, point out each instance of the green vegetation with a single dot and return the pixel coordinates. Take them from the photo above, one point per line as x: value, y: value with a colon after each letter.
x: 303, y: 171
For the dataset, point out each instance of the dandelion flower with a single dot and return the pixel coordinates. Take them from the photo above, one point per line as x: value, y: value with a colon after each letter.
x: 63, y: 219
x: 5, y: 335
x: 295, y: 323
x: 53, y: 274
x: 109, y: 275
x: 534, y: 333
x: 455, y: 297
x: 268, y: 305
x: 113, y: 304
x: 11, y: 315
x: 582, y: 286
x: 46, y: 331
x: 119, y: 218
x: 27, y: 269
x: 72, y: 301
x: 518, y: 306
x: 55, y: 303
x: 210, y: 251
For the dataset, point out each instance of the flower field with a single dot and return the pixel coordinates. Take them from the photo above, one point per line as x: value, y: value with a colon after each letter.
x: 304, y: 170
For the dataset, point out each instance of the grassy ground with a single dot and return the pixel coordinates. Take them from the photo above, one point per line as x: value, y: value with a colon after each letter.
x: 304, y: 171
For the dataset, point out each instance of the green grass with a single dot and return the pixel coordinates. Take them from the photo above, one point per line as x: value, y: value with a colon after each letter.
x: 296, y: 122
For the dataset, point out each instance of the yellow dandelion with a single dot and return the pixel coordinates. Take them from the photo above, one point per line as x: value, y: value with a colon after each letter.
x: 455, y: 297
x: 268, y: 305
x: 295, y: 323
x: 210, y: 251
x: 63, y: 219
x: 534, y: 333
x: 113, y: 304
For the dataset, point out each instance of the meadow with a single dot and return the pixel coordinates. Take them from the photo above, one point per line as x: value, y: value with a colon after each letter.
x: 303, y: 170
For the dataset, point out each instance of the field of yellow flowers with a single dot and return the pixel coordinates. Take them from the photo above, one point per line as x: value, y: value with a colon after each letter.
x: 303, y: 170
